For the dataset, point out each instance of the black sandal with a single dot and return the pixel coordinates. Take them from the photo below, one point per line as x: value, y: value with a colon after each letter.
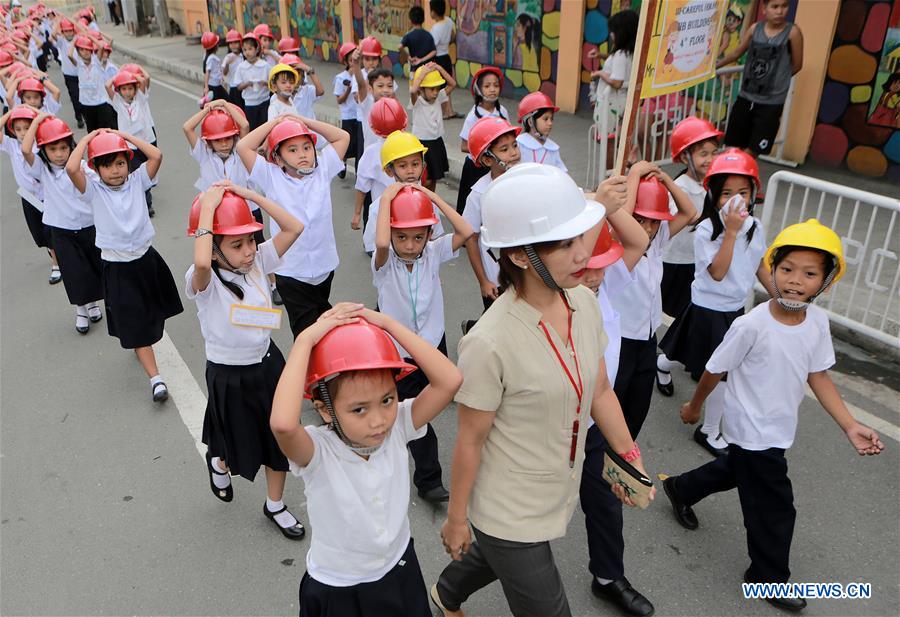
x: 224, y: 494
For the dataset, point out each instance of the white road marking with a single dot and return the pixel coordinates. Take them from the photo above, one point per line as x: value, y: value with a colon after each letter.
x: 884, y: 428
x: 180, y: 91
x: 183, y: 388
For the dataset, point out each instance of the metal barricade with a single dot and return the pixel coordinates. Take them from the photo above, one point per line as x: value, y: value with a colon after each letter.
x: 866, y: 299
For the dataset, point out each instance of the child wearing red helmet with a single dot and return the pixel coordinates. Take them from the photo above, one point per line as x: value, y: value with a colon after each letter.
x: 234, y: 306
x: 213, y: 77
x: 32, y: 90
x: 230, y: 63
x: 253, y: 81
x: 343, y: 90
x: 729, y: 243
x: 63, y: 37
x: 355, y: 468
x: 91, y: 81
x: 536, y: 113
x: 406, y: 272
x: 134, y: 274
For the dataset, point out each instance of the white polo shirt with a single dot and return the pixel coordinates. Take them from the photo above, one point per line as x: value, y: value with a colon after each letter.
x: 213, y: 66
x: 62, y: 46
x: 29, y: 187
x: 768, y: 363
x: 64, y: 205
x: 314, y: 255
x: 472, y: 214
x: 348, y: 107
x: 357, y: 508
x: 365, y: 109
x: 232, y: 77
x: 304, y: 99
x: 277, y: 108
x: 640, y: 304
x: 472, y: 118
x: 681, y: 249
x: 213, y: 168
x: 731, y: 292
x: 533, y: 151
x: 414, y: 298
x: 258, y: 71
x: 123, y: 224
x: 134, y: 117
x: 91, y: 84
x: 225, y: 342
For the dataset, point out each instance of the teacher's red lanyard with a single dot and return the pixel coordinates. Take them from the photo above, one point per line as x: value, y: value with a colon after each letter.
x: 578, y: 387
x: 534, y: 156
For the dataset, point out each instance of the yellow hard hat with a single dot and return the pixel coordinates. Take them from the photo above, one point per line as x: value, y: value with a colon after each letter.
x: 432, y: 80
x: 399, y: 144
x: 811, y: 234
x: 281, y: 68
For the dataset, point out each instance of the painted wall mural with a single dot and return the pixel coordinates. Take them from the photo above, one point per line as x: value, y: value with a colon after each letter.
x: 857, y: 124
x: 222, y: 16
x: 317, y: 24
x: 262, y: 11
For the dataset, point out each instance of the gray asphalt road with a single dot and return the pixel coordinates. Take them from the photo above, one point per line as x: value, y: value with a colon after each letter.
x: 106, y: 508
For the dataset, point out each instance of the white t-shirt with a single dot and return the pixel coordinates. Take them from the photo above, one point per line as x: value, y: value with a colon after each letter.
x: 134, y: 118
x: 472, y: 118
x: 314, y: 255
x: 357, y: 508
x: 232, y: 77
x: 277, y: 108
x: 442, y: 32
x: 348, y: 107
x: 533, y: 151
x: 304, y: 100
x: 731, y: 292
x: 415, y: 298
x: 120, y: 216
x: 472, y: 214
x: 427, y: 118
x: 258, y: 74
x: 616, y: 278
x: 214, y: 68
x: 62, y: 46
x: 29, y: 186
x: 640, y: 304
x: 618, y: 65
x: 213, y: 168
x: 227, y: 343
x: 370, y: 228
x: 768, y: 363
x: 365, y: 110
x: 64, y: 205
x: 370, y: 178
x: 91, y: 82
x: 681, y: 249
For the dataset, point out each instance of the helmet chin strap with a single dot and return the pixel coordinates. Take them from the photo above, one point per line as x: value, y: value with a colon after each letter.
x: 298, y: 171
x: 326, y: 399
x: 221, y: 255
x: 500, y: 163
x: 531, y: 126
x: 540, y: 268
x: 795, y: 306
x: 482, y: 95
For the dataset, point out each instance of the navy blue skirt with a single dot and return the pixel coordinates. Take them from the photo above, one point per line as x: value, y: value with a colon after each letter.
x: 694, y: 336
x: 79, y: 263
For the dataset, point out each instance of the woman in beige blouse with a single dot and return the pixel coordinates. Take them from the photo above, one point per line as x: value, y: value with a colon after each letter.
x: 533, y: 370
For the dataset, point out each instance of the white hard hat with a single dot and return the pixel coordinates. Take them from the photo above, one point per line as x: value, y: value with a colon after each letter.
x: 534, y: 203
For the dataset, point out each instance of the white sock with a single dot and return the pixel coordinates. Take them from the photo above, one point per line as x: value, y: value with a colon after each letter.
x: 664, y: 364
x: 93, y: 309
x: 284, y: 519
x: 271, y: 286
x: 715, y: 409
x: 221, y: 481
x: 155, y: 380
x: 603, y: 581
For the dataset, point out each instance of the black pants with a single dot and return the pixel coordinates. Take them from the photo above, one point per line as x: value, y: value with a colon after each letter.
x: 634, y: 381
x: 527, y: 571
x: 470, y: 175
x: 354, y: 129
x: 303, y: 302
x: 136, y: 161
x: 235, y: 98
x: 427, y: 473
x: 219, y: 92
x: 72, y: 88
x: 767, y: 502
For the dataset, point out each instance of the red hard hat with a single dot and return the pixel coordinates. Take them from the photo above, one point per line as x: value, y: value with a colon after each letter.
x: 251, y: 36
x: 733, y: 161
x: 263, y: 30
x: 65, y: 25
x: 218, y: 124
x: 31, y: 84
x: 233, y: 36
x: 370, y: 46
x: 690, y: 131
x: 358, y: 346
x: 21, y: 112
x: 124, y: 78
x: 485, y: 132
x: 412, y: 208
x: 134, y: 69
x: 606, y: 251
x: 484, y: 71
x: 106, y: 143
x: 5, y: 58
x: 84, y: 42
x: 288, y: 43
x: 387, y: 116
x: 21, y: 35
x: 51, y: 129
x: 290, y: 59
x: 533, y: 102
x: 209, y: 40
x: 105, y: 46
x: 287, y: 129
x: 653, y: 200
x: 346, y: 48
x: 84, y: 23
x: 95, y: 35
x: 231, y: 218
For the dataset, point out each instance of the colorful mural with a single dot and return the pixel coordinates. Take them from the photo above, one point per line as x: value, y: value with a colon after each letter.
x: 317, y: 24
x: 859, y: 98
x: 262, y: 11
x: 222, y: 16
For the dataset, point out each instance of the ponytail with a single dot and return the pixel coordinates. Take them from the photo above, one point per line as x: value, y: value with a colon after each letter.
x: 230, y: 285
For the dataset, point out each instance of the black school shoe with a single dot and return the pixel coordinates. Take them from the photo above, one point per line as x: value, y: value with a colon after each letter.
x: 224, y: 494
x: 701, y: 438
x: 435, y: 495
x: 295, y: 532
x: 794, y: 605
x: 623, y: 595
x: 684, y: 514
x: 666, y: 389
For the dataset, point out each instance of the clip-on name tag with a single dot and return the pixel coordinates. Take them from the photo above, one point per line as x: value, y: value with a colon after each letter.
x: 255, y: 317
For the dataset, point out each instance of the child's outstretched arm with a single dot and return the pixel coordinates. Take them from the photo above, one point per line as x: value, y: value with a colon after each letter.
x: 444, y: 379
x: 153, y: 154
x: 362, y: 88
x: 383, y: 224
x: 110, y: 91
x: 687, y: 213
x: 795, y: 38
x: 203, y: 245
x: 451, y: 83
x: 690, y: 411
x: 742, y: 47
x: 632, y: 236
x: 50, y: 86
x: 336, y: 136
x: 862, y: 438
x: 28, y: 141
x: 189, y: 128
x: 290, y: 225
x: 462, y: 230
x: 238, y: 116
x: 488, y: 287
x: 3, y: 120
x: 292, y: 438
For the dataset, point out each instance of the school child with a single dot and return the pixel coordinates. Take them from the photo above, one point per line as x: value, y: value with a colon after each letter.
x: 297, y: 176
x: 536, y: 112
x: 492, y: 145
x: 15, y: 123
x: 230, y: 64
x: 355, y: 468
x: 306, y: 91
x: 288, y: 45
x: 612, y: 80
x: 387, y: 116
x: 138, y: 289
x: 213, y: 78
x: 282, y: 83
x: 221, y: 124
x: 265, y: 37
x: 486, y: 84
x: 417, y: 44
x: 774, y: 48
x: 379, y: 84
x: 729, y: 243
x: 406, y: 272
x: 253, y: 81
x: 443, y: 31
x: 91, y: 96
x: 32, y: 91
x: 694, y: 142
x: 127, y: 93
x: 67, y: 217
x: 430, y: 88
x: 343, y: 88
x: 228, y: 282
x: 770, y: 354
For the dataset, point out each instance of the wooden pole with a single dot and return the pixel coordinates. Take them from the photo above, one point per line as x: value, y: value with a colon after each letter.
x: 638, y: 65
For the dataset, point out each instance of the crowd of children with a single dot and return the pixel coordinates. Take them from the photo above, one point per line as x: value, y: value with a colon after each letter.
x: 688, y: 246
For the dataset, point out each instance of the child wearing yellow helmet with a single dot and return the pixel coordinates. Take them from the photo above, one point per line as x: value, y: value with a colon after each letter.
x: 769, y: 355
x: 428, y: 93
x: 283, y: 81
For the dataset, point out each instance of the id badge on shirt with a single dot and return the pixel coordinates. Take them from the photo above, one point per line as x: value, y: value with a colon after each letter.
x: 255, y: 317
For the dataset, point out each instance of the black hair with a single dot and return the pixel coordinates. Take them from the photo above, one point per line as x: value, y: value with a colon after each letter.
x: 512, y: 275
x: 624, y: 25
x: 209, y: 52
x: 480, y: 99
x: 417, y: 15
x: 105, y: 160
x: 379, y: 72
x: 690, y: 151
x: 532, y: 33
x: 7, y: 128
x: 829, y: 262
x: 711, y: 210
x: 438, y: 6
x: 531, y: 122
x: 275, y: 76
x: 229, y: 285
x: 251, y: 40
x: 43, y: 154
